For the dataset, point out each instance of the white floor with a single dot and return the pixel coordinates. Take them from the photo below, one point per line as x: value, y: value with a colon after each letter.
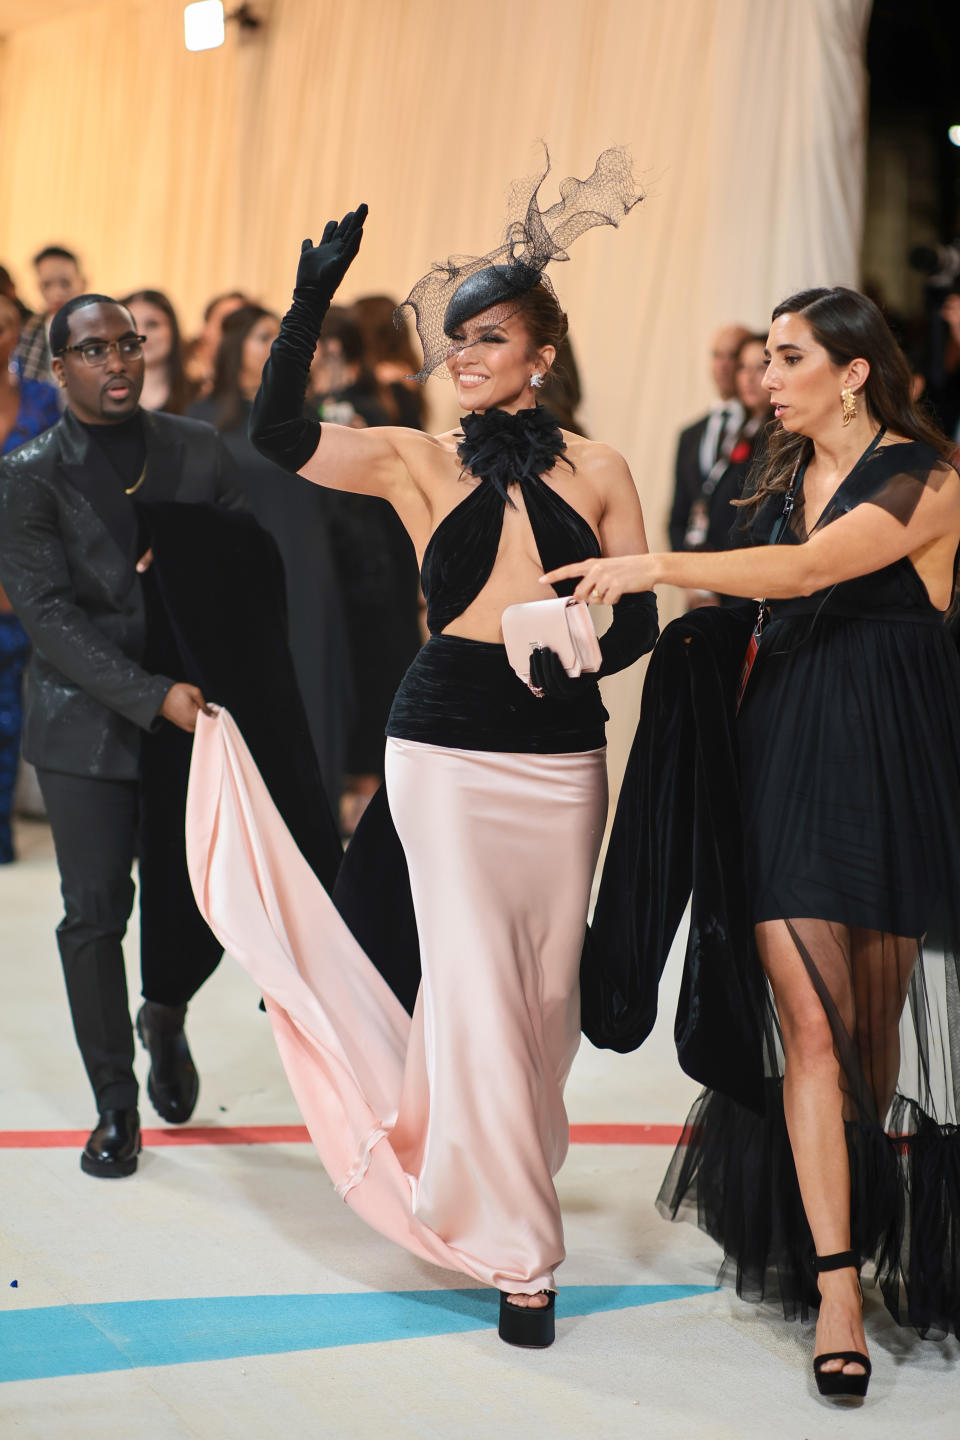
x: 340, y: 1346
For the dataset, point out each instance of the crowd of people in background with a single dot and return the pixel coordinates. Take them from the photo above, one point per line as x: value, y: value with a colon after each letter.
x: 352, y: 584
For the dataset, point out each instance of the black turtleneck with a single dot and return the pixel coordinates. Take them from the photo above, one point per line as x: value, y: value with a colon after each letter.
x: 123, y: 444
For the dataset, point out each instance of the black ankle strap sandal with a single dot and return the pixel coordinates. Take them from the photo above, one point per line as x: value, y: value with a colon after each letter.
x: 842, y: 1260
x: 531, y: 1327
x: 835, y: 1382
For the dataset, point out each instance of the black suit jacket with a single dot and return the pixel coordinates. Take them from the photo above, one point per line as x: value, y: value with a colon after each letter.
x: 688, y: 482
x: 69, y: 568
x: 723, y: 517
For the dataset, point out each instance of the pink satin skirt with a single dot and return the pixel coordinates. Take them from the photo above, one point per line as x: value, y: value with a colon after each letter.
x: 444, y: 1132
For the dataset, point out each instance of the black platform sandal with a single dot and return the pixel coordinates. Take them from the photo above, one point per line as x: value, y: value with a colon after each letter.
x: 835, y: 1382
x: 531, y: 1327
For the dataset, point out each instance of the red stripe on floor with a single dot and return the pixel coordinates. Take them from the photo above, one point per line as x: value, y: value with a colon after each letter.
x: 297, y: 1135
x: 625, y: 1134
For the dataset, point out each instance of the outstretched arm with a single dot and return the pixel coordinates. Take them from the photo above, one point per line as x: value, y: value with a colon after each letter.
x: 332, y: 455
x: 858, y: 543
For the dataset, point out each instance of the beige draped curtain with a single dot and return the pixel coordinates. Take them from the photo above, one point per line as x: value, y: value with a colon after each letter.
x: 200, y: 172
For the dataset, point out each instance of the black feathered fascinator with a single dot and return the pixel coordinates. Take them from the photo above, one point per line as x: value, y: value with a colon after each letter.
x: 466, y: 284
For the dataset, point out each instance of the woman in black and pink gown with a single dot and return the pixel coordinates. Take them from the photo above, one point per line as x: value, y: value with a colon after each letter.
x: 445, y: 1130
x: 849, y: 766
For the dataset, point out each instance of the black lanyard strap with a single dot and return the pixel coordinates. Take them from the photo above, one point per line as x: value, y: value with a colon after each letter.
x: 796, y: 482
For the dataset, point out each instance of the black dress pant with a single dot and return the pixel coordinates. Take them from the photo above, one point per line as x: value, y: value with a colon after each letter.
x: 94, y: 824
x: 95, y: 831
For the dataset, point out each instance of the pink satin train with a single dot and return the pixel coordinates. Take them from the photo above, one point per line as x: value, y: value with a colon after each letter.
x: 444, y: 1132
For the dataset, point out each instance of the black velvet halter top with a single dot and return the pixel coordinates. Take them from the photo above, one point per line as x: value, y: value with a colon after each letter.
x: 501, y: 450
x: 463, y: 693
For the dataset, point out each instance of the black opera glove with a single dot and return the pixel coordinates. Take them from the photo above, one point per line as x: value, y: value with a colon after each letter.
x: 548, y: 677
x: 322, y: 267
x: 633, y: 633
x: 278, y: 427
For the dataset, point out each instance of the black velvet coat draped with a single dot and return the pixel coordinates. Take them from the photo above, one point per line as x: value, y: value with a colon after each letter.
x: 216, y: 616
x: 678, y: 828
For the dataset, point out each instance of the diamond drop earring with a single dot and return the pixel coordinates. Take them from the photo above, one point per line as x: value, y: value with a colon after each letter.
x: 536, y: 380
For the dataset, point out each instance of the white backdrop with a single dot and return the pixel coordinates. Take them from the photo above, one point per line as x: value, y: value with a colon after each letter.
x: 196, y: 173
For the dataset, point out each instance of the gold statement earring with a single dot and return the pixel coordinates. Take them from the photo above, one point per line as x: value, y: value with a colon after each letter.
x: 849, y: 402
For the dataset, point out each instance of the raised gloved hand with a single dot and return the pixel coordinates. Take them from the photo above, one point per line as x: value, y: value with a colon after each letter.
x: 322, y: 267
x: 278, y: 427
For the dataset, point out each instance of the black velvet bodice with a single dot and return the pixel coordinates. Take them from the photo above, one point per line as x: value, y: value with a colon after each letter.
x: 464, y: 693
x: 501, y: 451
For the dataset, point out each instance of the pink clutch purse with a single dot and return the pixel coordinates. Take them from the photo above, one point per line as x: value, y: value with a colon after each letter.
x: 563, y: 625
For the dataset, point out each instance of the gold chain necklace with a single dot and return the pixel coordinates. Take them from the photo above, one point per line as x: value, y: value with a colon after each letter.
x: 134, y: 488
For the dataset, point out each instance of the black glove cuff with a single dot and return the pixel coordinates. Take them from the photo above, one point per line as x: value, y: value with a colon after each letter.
x: 278, y: 427
x: 633, y: 633
x: 304, y: 320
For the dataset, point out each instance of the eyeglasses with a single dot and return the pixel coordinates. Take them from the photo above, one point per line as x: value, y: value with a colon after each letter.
x: 95, y: 352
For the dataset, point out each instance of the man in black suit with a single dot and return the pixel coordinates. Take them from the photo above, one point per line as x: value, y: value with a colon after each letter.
x: 71, y: 561
x: 697, y: 521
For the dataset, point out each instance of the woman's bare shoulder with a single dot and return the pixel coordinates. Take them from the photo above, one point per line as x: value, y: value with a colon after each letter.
x: 594, y: 459
x: 590, y: 452
x: 921, y: 461
x: 448, y: 440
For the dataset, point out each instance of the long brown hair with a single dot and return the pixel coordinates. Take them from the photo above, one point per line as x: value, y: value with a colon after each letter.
x: 384, y: 340
x: 542, y: 315
x: 230, y: 411
x: 181, y: 391
x: 546, y: 324
x: 849, y: 327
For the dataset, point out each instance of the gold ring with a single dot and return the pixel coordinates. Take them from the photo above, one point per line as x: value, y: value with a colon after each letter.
x: 596, y: 595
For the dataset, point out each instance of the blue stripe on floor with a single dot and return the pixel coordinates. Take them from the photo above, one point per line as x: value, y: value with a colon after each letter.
x: 89, y: 1339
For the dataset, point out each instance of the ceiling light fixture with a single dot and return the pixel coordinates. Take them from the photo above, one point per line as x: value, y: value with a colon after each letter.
x: 204, y: 23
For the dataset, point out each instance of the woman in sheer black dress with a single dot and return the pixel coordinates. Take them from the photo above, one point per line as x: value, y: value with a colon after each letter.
x: 849, y: 740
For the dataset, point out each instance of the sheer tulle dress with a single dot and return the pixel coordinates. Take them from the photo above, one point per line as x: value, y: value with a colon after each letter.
x: 850, y: 773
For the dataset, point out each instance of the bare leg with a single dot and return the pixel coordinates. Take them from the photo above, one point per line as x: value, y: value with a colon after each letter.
x: 882, y: 967
x: 813, y: 1105
x: 358, y: 791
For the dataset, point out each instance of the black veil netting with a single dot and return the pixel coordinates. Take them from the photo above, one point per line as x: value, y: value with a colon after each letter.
x: 448, y: 294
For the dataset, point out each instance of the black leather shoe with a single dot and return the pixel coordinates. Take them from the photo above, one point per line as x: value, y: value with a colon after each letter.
x: 113, y: 1146
x: 173, y: 1083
